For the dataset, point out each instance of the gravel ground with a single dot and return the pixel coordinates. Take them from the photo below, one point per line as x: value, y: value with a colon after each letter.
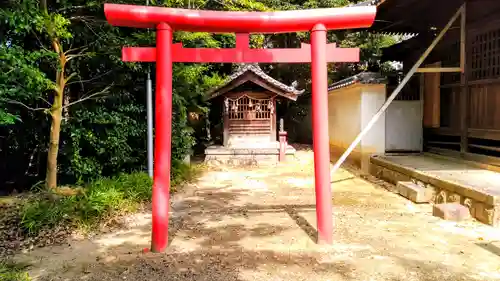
x: 259, y: 224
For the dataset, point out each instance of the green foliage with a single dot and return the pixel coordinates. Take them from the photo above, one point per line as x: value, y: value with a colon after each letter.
x: 105, y: 135
x: 182, y: 172
x: 10, y: 271
x: 20, y: 80
x: 102, y: 198
x: 106, y: 140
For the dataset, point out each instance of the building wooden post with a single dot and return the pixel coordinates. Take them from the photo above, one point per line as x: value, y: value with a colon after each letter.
x: 464, y: 83
x: 421, y: 93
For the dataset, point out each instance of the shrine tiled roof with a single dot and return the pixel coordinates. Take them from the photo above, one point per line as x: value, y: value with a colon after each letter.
x: 363, y: 78
x: 256, y: 70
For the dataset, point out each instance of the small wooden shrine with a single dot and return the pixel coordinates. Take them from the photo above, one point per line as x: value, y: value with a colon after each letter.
x: 247, y: 105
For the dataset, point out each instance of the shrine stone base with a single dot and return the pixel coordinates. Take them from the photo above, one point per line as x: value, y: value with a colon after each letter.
x: 449, y: 180
x: 246, y: 155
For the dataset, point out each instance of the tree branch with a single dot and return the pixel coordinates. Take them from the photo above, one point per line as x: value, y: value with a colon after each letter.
x: 105, y: 90
x: 83, y: 48
x: 44, y: 100
x: 43, y: 6
x: 71, y: 8
x: 24, y: 105
x: 69, y: 78
x: 70, y: 57
x: 91, y: 79
x: 40, y: 42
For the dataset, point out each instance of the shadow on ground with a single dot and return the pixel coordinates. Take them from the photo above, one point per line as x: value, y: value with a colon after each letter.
x: 239, y: 264
x: 223, y: 232
x: 215, y: 253
x: 491, y: 247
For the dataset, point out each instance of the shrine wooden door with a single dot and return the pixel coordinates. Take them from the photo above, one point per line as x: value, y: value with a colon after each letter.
x: 250, y: 118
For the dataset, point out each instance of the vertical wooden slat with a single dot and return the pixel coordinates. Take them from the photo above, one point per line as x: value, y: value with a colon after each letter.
x: 422, y: 97
x: 484, y: 107
x: 478, y: 95
x: 472, y: 108
x: 490, y: 106
x: 464, y: 96
x: 432, y: 98
x: 495, y: 112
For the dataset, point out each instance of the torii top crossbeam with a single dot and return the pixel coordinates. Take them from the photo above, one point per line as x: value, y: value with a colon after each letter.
x: 239, y: 22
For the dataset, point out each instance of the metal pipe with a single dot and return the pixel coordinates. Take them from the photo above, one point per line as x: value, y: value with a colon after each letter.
x: 149, y: 109
x: 395, y: 93
x: 321, y: 147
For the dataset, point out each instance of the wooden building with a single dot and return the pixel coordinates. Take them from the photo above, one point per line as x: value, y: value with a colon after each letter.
x: 452, y: 66
x: 461, y: 110
x: 247, y: 105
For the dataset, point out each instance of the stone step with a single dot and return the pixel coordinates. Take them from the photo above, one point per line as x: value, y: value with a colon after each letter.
x: 414, y: 192
x: 451, y: 179
x: 451, y: 211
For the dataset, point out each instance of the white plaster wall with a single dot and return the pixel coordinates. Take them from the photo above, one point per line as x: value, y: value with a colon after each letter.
x: 372, y: 99
x: 404, y: 126
x: 344, y: 120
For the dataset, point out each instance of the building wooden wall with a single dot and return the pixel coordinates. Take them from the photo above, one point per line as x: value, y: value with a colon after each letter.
x: 462, y: 113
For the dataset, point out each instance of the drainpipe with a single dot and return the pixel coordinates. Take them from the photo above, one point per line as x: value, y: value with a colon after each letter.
x: 149, y: 109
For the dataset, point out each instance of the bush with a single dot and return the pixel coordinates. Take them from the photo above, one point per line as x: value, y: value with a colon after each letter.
x: 12, y: 272
x: 39, y: 213
x: 101, y: 198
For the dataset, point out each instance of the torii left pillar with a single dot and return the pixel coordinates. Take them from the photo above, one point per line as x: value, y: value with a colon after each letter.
x: 317, y: 21
x: 163, y: 139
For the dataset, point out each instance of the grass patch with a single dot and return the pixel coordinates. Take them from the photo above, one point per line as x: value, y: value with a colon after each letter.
x: 10, y: 271
x: 100, y: 199
x: 182, y: 173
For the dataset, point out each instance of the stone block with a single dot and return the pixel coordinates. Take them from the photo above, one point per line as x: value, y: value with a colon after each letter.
x: 451, y: 211
x: 414, y: 192
x: 486, y: 214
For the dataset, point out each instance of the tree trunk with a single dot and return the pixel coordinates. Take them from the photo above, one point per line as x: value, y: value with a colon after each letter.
x: 57, y: 105
x: 55, y: 131
x: 56, y: 114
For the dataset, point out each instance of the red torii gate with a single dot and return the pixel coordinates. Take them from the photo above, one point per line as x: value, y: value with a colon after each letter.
x: 319, y: 53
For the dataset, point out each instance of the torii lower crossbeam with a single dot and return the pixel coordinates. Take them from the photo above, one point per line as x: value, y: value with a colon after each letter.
x: 241, y: 54
x: 317, y: 21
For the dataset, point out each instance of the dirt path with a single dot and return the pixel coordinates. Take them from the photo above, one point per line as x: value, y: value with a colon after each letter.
x: 258, y: 224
